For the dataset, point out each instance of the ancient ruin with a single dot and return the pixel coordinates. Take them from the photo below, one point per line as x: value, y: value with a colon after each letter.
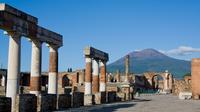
x: 16, y: 24
x: 93, y: 85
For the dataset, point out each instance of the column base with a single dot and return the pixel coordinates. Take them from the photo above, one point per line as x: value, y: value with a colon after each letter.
x: 88, y: 100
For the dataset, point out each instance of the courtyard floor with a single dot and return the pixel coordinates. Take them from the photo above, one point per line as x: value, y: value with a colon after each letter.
x: 146, y: 103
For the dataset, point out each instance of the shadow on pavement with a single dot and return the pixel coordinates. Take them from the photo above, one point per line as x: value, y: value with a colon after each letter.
x: 111, y: 108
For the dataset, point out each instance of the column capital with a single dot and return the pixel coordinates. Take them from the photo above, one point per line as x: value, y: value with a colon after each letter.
x: 52, y: 48
x: 12, y: 33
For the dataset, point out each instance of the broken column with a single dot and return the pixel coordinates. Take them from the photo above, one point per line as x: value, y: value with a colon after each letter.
x: 196, y: 78
x: 118, y: 76
x: 35, y: 83
x: 127, y: 68
x: 88, y: 81
x: 53, y: 70
x: 13, y: 67
x: 95, y: 76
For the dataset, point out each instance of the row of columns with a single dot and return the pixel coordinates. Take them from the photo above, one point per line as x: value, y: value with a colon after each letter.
x: 13, y: 74
x: 92, y: 84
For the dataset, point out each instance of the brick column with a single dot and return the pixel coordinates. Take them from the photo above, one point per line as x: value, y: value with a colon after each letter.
x: 88, y: 76
x: 95, y: 75
x: 13, y: 67
x: 196, y: 78
x: 53, y: 71
x: 35, y: 83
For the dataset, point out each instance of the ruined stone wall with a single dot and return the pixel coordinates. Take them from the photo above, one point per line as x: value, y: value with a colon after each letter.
x: 181, y: 86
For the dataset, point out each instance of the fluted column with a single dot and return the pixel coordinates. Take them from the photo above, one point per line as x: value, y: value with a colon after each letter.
x: 35, y: 84
x: 103, y: 76
x: 95, y: 75
x: 13, y: 67
x: 88, y: 76
x: 53, y: 71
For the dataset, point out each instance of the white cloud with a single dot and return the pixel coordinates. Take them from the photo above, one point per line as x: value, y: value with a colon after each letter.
x: 181, y: 51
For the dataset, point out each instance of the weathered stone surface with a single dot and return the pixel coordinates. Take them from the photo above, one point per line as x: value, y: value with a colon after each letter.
x: 5, y: 104
x: 181, y: 86
x: 78, y: 99
x: 185, y: 95
x: 88, y: 100
x: 48, y: 102
x: 64, y: 101
x: 97, y: 98
x: 121, y: 96
x: 27, y: 103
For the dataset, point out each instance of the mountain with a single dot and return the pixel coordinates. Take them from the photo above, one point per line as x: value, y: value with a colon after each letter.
x: 152, y: 60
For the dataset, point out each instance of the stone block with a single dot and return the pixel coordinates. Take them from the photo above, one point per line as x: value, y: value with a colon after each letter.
x: 27, y: 103
x: 111, y: 97
x: 78, y: 99
x: 88, y: 100
x: 48, y: 102
x: 97, y: 98
x: 64, y: 101
x: 120, y: 96
x: 103, y: 97
x: 5, y: 104
x: 185, y: 95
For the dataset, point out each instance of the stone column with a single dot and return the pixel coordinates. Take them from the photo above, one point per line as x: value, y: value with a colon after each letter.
x: 35, y: 83
x: 118, y: 76
x: 13, y: 67
x: 95, y: 75
x: 103, y: 77
x: 88, y: 76
x: 127, y: 68
x: 53, y: 71
x: 166, y: 81
x: 196, y: 78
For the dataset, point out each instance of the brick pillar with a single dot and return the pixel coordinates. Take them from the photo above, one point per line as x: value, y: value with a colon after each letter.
x: 95, y: 75
x: 88, y: 76
x: 88, y: 98
x: 53, y: 71
x: 35, y: 83
x: 196, y: 78
x: 13, y: 67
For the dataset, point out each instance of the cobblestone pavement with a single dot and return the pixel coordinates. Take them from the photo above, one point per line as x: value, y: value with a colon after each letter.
x: 146, y: 103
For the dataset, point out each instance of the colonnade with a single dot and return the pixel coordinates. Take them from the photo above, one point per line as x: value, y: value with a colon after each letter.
x: 16, y: 24
x: 95, y: 74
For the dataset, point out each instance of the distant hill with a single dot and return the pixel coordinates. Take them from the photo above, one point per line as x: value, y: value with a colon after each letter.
x: 152, y: 60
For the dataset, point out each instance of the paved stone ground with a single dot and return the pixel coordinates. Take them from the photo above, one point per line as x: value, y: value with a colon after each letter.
x: 152, y: 103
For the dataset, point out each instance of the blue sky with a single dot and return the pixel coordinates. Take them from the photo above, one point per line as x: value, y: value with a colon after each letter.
x: 115, y: 26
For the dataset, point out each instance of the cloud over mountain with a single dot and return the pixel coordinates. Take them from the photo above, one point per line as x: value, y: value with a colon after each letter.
x: 181, y: 51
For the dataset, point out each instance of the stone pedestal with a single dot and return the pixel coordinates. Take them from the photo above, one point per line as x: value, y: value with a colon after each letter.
x: 78, y: 99
x: 48, y: 102
x: 97, y: 98
x: 64, y: 101
x: 88, y: 100
x: 27, y: 103
x: 5, y: 104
